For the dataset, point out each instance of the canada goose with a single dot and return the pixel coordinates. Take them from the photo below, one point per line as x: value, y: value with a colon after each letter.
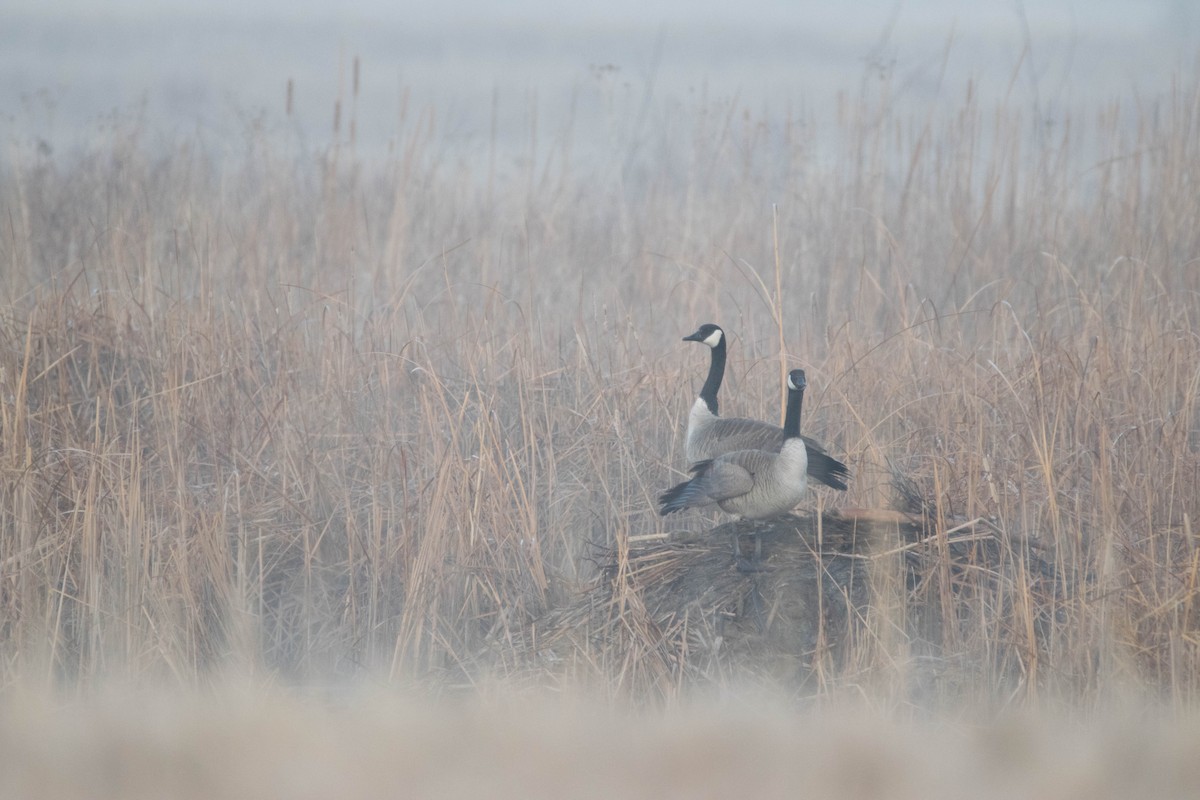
x: 710, y: 435
x: 752, y: 484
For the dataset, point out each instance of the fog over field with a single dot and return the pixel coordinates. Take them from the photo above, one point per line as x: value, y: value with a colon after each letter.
x: 341, y: 375
x: 217, y: 69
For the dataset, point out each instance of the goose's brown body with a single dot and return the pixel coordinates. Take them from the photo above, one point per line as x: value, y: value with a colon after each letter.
x: 710, y: 435
x: 753, y: 484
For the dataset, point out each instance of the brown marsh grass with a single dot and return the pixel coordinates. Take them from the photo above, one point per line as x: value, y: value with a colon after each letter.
x: 316, y: 419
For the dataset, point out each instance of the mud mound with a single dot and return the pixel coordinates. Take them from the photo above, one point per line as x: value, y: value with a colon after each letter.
x: 828, y: 590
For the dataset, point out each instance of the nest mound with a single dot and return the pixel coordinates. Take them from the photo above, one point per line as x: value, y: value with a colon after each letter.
x: 679, y: 607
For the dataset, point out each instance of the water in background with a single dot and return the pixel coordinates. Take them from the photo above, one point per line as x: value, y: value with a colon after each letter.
x: 534, y: 75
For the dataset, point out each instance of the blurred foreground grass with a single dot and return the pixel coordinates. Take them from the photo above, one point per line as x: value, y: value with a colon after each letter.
x: 237, y: 743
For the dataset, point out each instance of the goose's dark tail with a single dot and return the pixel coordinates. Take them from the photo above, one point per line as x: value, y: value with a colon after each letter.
x: 685, y: 494
x: 826, y: 469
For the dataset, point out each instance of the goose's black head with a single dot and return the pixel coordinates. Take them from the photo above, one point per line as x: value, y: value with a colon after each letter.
x: 708, y: 334
x: 796, y: 379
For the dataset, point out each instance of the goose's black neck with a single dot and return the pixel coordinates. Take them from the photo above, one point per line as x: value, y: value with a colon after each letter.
x: 791, y: 422
x: 716, y: 372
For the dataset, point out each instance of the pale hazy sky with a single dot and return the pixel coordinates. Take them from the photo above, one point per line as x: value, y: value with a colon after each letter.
x: 185, y: 66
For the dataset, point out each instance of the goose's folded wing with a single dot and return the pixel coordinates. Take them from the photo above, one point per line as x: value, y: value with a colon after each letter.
x: 728, y: 435
x: 724, y: 480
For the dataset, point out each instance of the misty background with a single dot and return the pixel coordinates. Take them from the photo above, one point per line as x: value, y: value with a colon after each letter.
x: 490, y: 75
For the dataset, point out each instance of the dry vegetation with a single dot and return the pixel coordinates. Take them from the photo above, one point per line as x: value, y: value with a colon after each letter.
x: 315, y: 419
